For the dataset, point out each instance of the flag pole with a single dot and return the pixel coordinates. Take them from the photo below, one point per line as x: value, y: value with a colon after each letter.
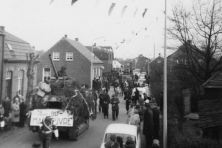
x: 165, y: 81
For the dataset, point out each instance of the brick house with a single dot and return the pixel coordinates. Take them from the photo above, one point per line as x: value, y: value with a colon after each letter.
x: 105, y: 54
x: 15, y: 65
x: 81, y: 64
x: 142, y: 63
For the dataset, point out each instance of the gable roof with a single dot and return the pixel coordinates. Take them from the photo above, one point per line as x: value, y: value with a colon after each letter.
x: 102, y: 52
x: 83, y: 50
x: 159, y: 59
x: 214, y: 82
x: 15, y: 49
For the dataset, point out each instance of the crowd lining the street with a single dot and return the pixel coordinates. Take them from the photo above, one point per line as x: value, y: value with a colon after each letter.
x: 141, y: 109
x: 13, y: 112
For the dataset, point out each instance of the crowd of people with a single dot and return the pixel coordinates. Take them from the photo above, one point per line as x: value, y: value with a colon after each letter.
x: 13, y: 112
x: 141, y: 109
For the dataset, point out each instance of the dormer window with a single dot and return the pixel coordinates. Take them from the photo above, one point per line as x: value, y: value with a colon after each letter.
x: 9, y: 46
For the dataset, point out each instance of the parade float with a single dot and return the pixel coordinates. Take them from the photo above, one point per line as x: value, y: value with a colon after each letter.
x: 63, y: 101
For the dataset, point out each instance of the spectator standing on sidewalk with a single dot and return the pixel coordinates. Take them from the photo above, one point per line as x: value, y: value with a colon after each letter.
x: 156, y: 121
x: 7, y: 106
x: 15, y: 111
x: 2, y: 120
x: 148, y: 124
x: 135, y: 119
x: 23, y: 111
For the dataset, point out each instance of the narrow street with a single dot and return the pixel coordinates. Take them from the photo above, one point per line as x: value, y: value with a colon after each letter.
x: 23, y: 138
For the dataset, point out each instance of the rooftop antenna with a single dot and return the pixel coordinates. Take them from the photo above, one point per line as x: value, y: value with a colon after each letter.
x: 154, y: 51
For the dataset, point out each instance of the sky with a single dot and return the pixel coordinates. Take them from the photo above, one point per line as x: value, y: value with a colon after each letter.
x: 42, y: 23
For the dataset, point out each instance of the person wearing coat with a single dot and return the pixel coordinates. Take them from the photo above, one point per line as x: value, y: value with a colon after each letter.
x: 156, y: 121
x: 105, y: 106
x: 15, y: 111
x: 7, y: 106
x: 115, y: 106
x: 23, y: 111
x: 135, y: 119
x: 148, y: 124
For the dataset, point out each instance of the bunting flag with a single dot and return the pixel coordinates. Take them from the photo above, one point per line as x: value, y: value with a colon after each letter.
x: 111, y: 8
x: 123, y: 10
x: 123, y: 41
x: 144, y: 12
x: 135, y: 12
x: 51, y: 2
x: 73, y: 1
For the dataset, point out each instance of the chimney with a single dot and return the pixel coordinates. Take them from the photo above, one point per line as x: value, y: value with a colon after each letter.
x: 189, y: 42
x: 2, y: 29
x: 76, y: 39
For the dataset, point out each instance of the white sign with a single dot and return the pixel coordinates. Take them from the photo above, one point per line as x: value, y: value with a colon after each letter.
x: 60, y: 117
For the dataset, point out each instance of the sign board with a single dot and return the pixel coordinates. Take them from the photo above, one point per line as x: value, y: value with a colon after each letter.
x: 60, y: 117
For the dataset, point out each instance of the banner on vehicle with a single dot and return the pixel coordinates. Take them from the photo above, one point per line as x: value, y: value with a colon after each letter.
x: 60, y: 117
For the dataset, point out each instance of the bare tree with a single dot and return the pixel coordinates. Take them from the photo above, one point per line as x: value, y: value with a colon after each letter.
x: 200, y: 32
x: 32, y: 59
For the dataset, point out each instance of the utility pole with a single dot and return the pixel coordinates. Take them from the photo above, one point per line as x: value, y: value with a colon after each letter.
x: 165, y: 82
x: 2, y: 41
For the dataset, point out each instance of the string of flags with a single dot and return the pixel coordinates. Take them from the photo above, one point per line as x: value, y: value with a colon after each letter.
x: 72, y: 1
x: 112, y: 7
x: 123, y: 10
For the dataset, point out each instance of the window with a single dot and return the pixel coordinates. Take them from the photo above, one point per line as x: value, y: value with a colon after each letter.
x: 9, y: 46
x: 69, y: 56
x: 9, y: 76
x: 55, y: 56
x: 21, y: 82
x: 46, y: 73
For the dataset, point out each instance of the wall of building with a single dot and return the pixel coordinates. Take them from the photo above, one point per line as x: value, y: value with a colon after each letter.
x: 15, y: 68
x: 107, y: 65
x: 78, y: 69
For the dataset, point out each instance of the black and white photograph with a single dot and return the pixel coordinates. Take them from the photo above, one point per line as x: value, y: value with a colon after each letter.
x: 110, y: 73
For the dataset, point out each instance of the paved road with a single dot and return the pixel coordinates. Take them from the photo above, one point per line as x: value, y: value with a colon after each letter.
x: 23, y: 138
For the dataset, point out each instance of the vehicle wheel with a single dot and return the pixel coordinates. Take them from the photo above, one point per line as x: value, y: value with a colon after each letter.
x: 73, y: 133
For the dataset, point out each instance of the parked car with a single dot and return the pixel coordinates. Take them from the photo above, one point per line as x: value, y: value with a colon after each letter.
x: 124, y: 131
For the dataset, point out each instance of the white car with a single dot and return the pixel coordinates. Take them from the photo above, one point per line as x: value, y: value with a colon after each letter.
x: 124, y: 131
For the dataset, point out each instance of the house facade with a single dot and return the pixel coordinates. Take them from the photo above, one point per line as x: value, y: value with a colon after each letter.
x: 142, y: 63
x: 15, y: 65
x: 81, y: 64
x: 105, y: 54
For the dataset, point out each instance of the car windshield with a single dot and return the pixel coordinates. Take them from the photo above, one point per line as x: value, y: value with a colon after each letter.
x: 123, y: 136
